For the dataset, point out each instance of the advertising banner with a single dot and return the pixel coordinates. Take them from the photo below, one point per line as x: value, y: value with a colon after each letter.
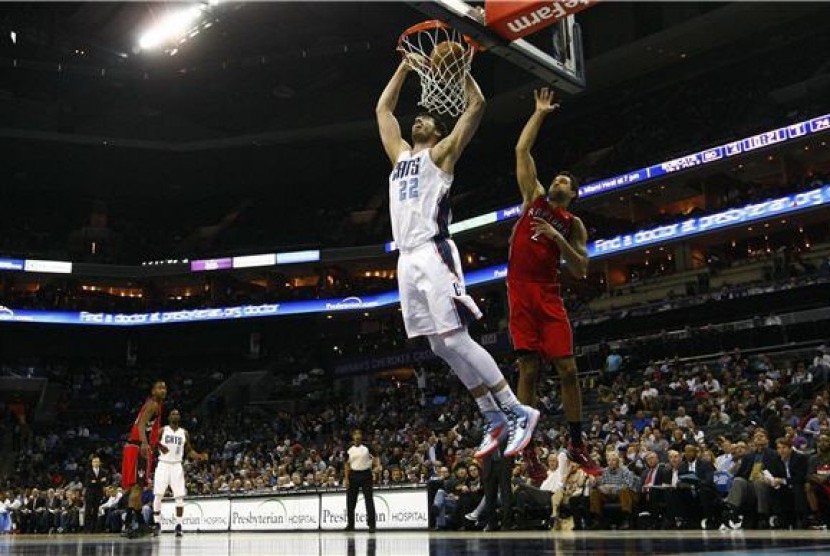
x: 395, y: 509
x: 276, y: 513
x: 205, y: 514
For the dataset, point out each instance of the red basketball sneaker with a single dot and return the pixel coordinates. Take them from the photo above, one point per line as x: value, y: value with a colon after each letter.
x: 535, y: 470
x: 579, y: 455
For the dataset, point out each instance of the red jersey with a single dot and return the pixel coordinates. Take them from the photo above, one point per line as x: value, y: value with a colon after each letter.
x: 153, y: 427
x: 537, y: 258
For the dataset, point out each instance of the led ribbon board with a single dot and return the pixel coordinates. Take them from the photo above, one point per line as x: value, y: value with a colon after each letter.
x: 600, y: 248
x: 708, y: 156
x: 702, y: 224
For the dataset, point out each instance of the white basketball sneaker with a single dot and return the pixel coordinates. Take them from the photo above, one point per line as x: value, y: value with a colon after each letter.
x: 522, y: 421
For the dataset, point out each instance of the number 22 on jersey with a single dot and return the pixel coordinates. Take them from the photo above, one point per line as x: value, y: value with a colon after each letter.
x: 408, y: 189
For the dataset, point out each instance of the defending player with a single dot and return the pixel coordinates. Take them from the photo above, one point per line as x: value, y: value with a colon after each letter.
x: 174, y: 443
x: 137, y: 458
x: 433, y: 297
x: 545, y: 234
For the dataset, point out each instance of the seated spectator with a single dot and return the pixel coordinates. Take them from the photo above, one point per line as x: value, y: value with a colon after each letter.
x: 788, y: 503
x: 682, y: 420
x: 821, y: 365
x: 698, y: 501
x: 469, y: 494
x: 8, y: 508
x: 678, y: 440
x: 787, y: 416
x: 654, y: 476
x: 570, y: 500
x: 69, y: 519
x: 711, y: 385
x: 650, y: 397
x: 718, y: 417
x: 109, y: 519
x: 817, y: 486
x: 530, y: 500
x: 673, y: 513
x: 814, y: 425
x: 750, y: 490
x: 447, y: 498
x: 641, y: 421
x: 724, y: 461
x: 616, y: 484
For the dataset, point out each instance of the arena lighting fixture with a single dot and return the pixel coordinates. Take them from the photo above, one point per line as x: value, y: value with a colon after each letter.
x: 13, y: 37
x: 172, y: 27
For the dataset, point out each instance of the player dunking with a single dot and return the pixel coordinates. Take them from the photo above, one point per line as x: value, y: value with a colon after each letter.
x: 137, y: 459
x: 174, y: 443
x: 546, y: 233
x: 433, y: 297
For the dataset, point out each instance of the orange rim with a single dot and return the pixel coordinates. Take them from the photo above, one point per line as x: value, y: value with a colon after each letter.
x: 436, y: 24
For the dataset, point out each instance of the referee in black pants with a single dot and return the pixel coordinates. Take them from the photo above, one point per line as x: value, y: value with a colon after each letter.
x: 359, y: 476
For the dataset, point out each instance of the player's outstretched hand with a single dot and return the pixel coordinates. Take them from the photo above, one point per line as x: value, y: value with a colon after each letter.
x: 414, y: 61
x: 545, y: 100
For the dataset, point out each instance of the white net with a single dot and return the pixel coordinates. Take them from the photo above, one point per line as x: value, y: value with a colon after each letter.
x: 441, y: 56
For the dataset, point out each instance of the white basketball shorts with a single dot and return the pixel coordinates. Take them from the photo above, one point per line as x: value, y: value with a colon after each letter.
x: 172, y: 475
x: 431, y: 283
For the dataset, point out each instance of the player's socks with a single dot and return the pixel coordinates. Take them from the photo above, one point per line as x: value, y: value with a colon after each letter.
x: 507, y: 399
x: 487, y: 404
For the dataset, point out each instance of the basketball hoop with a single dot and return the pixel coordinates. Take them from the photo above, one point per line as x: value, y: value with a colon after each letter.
x: 441, y: 56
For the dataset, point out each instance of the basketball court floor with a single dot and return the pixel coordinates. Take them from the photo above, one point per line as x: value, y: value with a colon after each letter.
x: 391, y: 543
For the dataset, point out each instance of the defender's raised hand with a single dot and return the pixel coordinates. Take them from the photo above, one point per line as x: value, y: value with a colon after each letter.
x: 545, y: 100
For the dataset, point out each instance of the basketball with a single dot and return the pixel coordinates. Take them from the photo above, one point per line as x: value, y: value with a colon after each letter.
x: 448, y: 59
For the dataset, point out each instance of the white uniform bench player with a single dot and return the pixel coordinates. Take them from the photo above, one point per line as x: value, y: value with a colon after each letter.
x: 174, y: 443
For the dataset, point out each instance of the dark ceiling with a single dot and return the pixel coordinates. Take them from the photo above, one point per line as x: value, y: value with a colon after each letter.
x: 269, y: 112
x: 261, y: 68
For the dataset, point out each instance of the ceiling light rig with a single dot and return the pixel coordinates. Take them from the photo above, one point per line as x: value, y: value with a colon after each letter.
x: 177, y: 27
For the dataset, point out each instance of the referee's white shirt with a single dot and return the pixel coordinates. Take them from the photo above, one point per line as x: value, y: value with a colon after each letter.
x: 359, y: 458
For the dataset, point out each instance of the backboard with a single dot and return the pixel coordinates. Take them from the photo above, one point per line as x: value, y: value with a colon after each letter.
x: 561, y: 65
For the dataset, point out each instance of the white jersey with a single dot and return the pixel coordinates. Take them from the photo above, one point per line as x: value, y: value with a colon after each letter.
x: 174, y: 441
x: 419, y: 200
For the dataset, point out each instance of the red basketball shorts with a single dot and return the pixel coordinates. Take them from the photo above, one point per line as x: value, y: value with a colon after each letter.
x: 538, y: 319
x: 135, y: 470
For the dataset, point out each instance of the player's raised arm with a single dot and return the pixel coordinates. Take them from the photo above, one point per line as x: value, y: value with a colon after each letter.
x: 525, y: 165
x: 390, y: 129
x: 447, y: 151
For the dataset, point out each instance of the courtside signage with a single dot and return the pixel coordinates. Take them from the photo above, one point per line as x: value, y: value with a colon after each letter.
x: 277, y: 513
x: 396, y: 509
x: 199, y: 515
